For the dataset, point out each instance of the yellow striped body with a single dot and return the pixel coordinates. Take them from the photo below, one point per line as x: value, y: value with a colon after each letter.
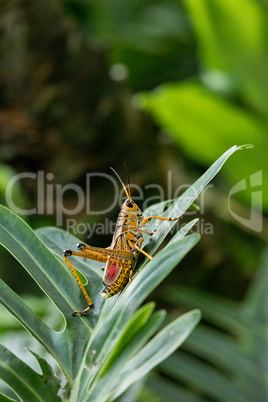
x: 126, y: 236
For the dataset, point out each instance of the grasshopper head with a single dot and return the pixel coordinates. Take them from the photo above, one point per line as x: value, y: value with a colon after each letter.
x: 131, y: 207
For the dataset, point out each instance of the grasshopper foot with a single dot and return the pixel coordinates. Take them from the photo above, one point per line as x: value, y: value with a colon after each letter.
x: 84, y: 312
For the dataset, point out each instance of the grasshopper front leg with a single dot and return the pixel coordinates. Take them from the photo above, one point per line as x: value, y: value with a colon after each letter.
x: 163, y: 218
x: 137, y: 245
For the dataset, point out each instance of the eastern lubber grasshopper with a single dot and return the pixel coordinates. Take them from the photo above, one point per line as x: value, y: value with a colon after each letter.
x: 123, y: 252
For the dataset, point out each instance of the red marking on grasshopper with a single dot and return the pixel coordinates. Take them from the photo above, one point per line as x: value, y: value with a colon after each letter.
x: 112, y: 271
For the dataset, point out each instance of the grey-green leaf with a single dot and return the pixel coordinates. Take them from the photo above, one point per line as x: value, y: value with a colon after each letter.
x: 25, y: 382
x: 158, y: 349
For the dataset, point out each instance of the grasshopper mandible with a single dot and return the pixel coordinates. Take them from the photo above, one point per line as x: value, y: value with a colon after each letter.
x: 121, y: 256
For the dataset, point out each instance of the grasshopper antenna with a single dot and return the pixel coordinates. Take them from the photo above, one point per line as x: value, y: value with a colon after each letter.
x: 128, y: 182
x: 124, y: 187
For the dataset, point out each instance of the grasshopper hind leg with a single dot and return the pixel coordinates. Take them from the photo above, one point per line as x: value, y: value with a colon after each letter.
x: 66, y: 254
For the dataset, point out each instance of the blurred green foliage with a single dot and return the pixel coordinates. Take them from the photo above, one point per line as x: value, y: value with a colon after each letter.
x: 190, y: 108
x: 171, y: 85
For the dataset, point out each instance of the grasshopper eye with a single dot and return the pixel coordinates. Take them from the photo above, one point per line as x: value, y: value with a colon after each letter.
x: 129, y: 204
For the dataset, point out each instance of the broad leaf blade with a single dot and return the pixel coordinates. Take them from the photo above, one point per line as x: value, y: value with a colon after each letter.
x: 158, y: 349
x: 132, y: 296
x: 202, y: 377
x: 24, y: 314
x: 25, y: 382
x: 109, y: 328
x: 156, y: 270
x: 50, y: 378
x: 41, y: 264
x: 5, y: 398
x: 133, y: 346
x: 56, y: 282
x: 169, y: 391
x: 233, y: 46
x: 226, y: 314
x: 184, y: 202
x: 226, y: 353
x: 136, y: 322
x: 136, y: 333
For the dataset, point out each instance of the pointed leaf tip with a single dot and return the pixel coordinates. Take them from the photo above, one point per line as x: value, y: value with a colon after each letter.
x: 245, y: 146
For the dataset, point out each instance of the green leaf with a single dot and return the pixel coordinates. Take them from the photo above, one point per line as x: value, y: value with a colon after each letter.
x: 183, y: 231
x: 225, y: 313
x: 5, y: 398
x: 25, y: 382
x: 97, y: 351
x: 56, y: 282
x: 223, y: 352
x: 109, y: 327
x: 140, y: 287
x: 130, y: 348
x: 243, y: 356
x: 202, y: 377
x: 255, y: 307
x: 229, y: 44
x: 169, y: 391
x: 42, y: 265
x: 156, y: 270
x: 256, y: 301
x: 137, y: 321
x: 182, y: 204
x: 132, y: 393
x: 203, y: 124
x: 161, y: 346
x: 50, y: 378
